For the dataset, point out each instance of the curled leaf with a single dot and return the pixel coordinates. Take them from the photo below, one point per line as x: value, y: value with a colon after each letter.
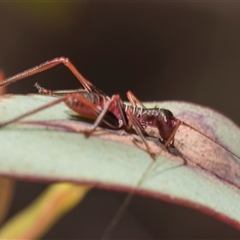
x: 198, y: 173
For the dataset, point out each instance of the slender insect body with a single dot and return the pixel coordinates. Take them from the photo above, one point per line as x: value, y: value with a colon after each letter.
x: 74, y: 103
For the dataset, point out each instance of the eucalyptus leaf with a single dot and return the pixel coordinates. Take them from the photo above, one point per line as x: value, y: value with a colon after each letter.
x: 51, y: 146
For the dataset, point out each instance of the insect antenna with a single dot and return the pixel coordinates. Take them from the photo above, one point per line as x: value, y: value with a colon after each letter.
x: 118, y: 215
x: 203, y: 134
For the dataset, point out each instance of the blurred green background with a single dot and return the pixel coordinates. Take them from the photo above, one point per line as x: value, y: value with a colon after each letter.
x: 159, y: 51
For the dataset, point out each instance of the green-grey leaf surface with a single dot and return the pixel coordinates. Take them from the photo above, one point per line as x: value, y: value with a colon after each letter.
x: 50, y: 146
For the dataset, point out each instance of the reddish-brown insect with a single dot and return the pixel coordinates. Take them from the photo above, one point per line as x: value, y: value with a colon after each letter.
x: 92, y: 103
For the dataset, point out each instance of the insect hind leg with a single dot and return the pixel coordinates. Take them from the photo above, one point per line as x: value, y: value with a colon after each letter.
x: 88, y: 86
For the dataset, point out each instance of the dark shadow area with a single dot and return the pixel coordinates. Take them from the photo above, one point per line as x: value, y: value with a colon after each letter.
x: 145, y: 218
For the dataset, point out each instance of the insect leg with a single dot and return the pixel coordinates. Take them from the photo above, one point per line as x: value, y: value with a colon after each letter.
x: 114, y: 99
x: 49, y: 92
x: 50, y: 64
x: 134, y: 100
x: 53, y: 103
x: 167, y: 144
x: 138, y: 127
x: 70, y: 101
